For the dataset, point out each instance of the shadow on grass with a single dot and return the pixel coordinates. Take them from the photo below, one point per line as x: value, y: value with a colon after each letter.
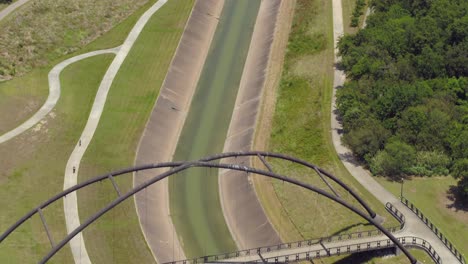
x: 345, y: 229
x: 459, y: 202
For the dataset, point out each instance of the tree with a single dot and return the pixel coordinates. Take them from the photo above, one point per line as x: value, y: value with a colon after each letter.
x: 396, y: 159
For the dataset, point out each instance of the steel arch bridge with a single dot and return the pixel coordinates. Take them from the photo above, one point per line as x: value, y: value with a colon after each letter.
x: 215, y: 161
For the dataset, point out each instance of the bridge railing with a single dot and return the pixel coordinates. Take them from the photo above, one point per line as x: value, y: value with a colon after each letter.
x: 309, y: 254
x: 434, y: 229
x: 354, y: 248
x: 396, y: 213
x: 300, y: 244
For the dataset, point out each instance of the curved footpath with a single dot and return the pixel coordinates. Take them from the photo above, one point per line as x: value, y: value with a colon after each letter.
x: 244, y: 214
x: 12, y: 7
x: 77, y: 245
x: 161, y: 134
x: 54, y: 93
x: 414, y: 226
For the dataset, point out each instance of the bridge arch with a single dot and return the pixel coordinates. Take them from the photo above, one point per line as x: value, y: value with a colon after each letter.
x: 208, y: 162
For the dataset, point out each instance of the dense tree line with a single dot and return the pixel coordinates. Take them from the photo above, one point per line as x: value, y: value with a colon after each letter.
x: 5, y: 1
x: 404, y: 108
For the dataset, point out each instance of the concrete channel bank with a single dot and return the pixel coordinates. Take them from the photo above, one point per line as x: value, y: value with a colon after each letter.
x: 162, y: 131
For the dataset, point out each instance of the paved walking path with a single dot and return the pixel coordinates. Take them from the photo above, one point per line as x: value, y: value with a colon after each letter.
x: 54, y: 94
x: 12, y: 7
x: 77, y: 245
x: 414, y: 226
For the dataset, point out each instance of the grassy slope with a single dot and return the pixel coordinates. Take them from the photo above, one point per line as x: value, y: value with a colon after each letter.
x: 33, y: 164
x: 3, y: 6
x: 33, y: 159
x: 117, y: 238
x: 198, y: 215
x: 430, y: 195
x: 22, y: 96
x: 301, y: 128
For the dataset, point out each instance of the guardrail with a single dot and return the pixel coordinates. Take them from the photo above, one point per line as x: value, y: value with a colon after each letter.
x: 396, y: 213
x: 291, y: 245
x: 355, y: 248
x: 300, y: 244
x: 434, y: 229
x: 320, y: 253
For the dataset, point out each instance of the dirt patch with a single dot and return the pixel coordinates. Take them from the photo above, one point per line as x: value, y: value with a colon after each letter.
x: 162, y: 131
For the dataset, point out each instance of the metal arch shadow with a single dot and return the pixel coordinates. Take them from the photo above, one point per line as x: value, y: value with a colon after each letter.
x: 207, y: 163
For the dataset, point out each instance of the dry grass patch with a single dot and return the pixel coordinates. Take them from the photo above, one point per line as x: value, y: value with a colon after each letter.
x: 44, y: 30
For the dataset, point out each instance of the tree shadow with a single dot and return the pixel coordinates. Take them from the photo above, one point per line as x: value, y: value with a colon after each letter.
x: 458, y: 201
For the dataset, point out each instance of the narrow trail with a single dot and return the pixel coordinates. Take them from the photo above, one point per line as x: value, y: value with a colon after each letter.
x: 54, y: 93
x: 72, y: 219
x: 414, y: 226
x: 12, y: 7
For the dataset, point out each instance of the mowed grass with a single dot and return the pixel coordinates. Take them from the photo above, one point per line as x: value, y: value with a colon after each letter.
x: 432, y: 195
x: 33, y: 166
x: 117, y: 237
x: 301, y: 128
x: 21, y: 97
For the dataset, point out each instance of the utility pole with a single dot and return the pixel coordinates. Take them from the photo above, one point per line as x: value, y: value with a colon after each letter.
x: 401, y: 189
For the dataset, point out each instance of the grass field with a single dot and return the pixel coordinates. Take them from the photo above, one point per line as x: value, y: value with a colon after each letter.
x: 33, y: 164
x: 39, y: 157
x: 301, y: 128
x: 432, y: 196
x: 45, y: 30
x: 195, y: 204
x: 3, y: 5
x: 22, y: 96
x: 117, y: 237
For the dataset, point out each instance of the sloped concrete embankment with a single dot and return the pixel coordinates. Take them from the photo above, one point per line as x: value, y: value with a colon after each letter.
x: 162, y: 131
x: 244, y: 214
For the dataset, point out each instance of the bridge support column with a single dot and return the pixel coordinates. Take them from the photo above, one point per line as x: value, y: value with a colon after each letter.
x: 379, y: 219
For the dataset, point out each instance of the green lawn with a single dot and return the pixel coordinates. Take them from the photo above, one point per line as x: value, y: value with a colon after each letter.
x: 33, y: 165
x: 117, y: 237
x: 196, y: 210
x: 431, y: 196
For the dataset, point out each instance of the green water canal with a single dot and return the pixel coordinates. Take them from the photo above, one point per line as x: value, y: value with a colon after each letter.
x: 194, y: 198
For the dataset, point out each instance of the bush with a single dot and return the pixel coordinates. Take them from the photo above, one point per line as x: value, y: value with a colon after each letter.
x: 396, y: 159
